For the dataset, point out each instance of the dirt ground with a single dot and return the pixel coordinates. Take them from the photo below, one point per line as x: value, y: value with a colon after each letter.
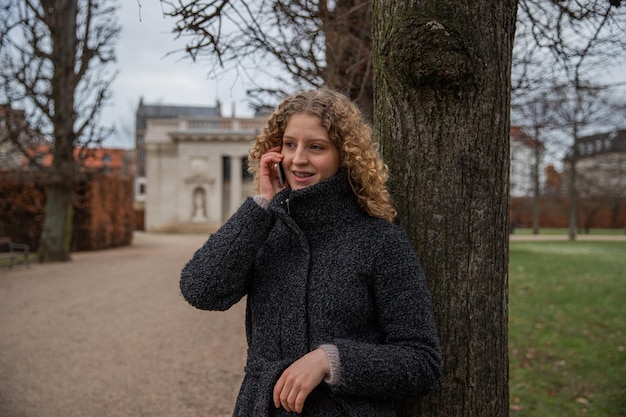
x: 109, y: 334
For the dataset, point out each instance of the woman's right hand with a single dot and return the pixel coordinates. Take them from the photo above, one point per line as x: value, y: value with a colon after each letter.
x: 299, y: 379
x: 268, y: 178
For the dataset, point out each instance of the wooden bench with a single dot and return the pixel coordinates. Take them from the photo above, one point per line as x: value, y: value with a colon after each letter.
x: 13, y: 251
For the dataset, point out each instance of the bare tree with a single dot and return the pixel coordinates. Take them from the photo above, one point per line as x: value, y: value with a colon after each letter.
x: 581, y: 37
x: 442, y: 117
x: 586, y: 108
x: 54, y: 55
x: 536, y: 113
x: 560, y: 46
x: 318, y: 42
x: 558, y: 115
x: 313, y: 42
x: 581, y: 107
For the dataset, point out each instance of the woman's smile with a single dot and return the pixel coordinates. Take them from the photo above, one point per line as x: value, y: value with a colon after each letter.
x: 309, y: 155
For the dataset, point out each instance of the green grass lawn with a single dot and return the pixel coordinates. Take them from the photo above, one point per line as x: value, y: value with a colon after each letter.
x: 567, y: 329
x: 545, y: 231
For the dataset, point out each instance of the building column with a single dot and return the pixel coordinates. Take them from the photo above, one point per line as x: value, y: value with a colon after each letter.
x: 235, y: 183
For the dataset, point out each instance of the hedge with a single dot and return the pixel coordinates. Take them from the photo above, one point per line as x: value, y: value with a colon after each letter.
x: 103, y: 210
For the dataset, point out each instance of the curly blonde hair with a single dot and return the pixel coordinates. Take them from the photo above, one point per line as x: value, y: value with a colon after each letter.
x: 347, y: 129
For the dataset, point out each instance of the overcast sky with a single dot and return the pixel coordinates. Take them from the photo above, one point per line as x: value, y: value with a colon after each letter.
x: 146, y: 71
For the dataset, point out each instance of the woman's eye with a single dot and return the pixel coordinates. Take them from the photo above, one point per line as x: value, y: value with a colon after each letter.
x: 317, y: 147
x: 288, y: 144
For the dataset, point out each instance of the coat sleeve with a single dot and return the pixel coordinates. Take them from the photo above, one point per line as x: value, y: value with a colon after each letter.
x: 216, y: 277
x: 407, y: 361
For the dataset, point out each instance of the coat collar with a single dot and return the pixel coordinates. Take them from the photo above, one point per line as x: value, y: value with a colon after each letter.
x: 329, y: 203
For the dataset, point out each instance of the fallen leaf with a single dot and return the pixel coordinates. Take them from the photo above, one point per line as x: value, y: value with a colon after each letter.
x: 582, y: 400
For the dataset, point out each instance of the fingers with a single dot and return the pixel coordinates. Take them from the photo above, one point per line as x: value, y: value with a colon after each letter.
x: 299, y: 379
x: 278, y: 389
x: 290, y: 393
x: 268, y: 178
x: 273, y: 155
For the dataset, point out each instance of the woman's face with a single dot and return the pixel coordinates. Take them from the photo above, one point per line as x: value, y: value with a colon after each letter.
x: 309, y: 155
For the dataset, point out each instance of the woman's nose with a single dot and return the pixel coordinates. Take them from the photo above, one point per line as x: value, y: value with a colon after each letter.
x: 299, y: 156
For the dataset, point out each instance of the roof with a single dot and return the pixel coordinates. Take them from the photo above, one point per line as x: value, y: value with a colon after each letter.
x: 111, y: 159
x: 518, y: 134
x: 600, y: 143
x: 163, y: 111
x: 617, y: 138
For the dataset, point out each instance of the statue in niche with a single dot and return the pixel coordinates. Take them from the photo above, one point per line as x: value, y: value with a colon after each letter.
x: 199, y: 205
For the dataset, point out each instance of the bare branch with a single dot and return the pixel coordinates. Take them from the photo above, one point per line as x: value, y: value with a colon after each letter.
x: 309, y: 42
x: 35, y: 75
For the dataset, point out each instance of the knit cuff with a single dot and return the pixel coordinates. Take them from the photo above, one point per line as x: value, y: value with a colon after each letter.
x: 332, y: 353
x: 261, y: 201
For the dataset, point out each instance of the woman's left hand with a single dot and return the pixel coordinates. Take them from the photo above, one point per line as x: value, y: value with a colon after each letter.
x: 299, y: 379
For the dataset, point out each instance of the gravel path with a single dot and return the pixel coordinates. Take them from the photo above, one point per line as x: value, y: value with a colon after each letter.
x: 109, y: 334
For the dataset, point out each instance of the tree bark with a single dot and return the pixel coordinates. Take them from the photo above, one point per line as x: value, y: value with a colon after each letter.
x: 442, y: 100
x: 347, y: 32
x: 572, y: 180
x: 572, y: 191
x: 57, y: 229
x: 536, y: 184
x: 61, y: 19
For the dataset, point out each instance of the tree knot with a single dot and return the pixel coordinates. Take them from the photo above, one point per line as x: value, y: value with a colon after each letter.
x: 428, y: 54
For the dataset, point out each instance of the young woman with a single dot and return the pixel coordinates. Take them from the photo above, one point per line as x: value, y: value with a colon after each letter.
x: 339, y: 320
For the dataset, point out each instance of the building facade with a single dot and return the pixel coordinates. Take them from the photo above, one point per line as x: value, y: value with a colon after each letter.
x: 17, y: 139
x: 600, y: 165
x: 527, y: 162
x: 196, y: 171
x: 159, y: 111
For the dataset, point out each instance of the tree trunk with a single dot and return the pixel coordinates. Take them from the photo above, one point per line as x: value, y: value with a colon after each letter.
x: 536, y: 186
x: 572, y: 191
x: 57, y: 230
x: 442, y: 99
x: 347, y: 32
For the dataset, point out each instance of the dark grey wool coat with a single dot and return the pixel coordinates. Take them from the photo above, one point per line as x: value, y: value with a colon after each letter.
x: 317, y: 269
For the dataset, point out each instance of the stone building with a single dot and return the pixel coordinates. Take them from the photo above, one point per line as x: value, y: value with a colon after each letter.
x: 17, y: 138
x: 600, y: 165
x: 196, y: 171
x: 159, y: 111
